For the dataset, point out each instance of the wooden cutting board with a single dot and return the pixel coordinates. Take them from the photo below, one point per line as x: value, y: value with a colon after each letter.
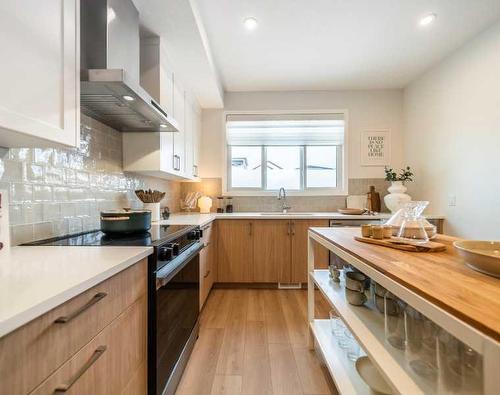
x: 430, y: 246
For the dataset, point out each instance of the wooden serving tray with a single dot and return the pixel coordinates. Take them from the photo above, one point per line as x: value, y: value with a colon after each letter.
x: 429, y: 246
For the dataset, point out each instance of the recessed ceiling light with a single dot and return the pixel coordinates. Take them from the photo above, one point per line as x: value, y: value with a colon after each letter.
x: 427, y: 20
x: 128, y: 98
x: 162, y: 125
x: 250, y: 23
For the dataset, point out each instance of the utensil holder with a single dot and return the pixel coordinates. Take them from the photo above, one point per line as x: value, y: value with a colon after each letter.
x: 155, y: 211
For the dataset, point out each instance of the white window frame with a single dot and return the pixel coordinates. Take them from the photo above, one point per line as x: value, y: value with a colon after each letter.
x: 342, y: 160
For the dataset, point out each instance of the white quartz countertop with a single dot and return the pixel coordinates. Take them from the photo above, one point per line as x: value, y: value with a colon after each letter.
x: 34, y: 280
x: 203, y: 219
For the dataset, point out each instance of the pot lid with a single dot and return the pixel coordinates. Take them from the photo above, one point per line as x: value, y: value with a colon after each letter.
x: 125, y: 211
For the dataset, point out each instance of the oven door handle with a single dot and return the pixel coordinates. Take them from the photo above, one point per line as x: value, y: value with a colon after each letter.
x: 164, y: 275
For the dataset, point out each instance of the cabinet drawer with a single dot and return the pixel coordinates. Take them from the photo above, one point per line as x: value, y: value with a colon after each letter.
x: 109, y: 362
x: 207, y: 233
x: 33, y: 352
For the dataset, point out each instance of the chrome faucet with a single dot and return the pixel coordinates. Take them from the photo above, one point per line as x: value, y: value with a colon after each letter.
x: 282, y: 197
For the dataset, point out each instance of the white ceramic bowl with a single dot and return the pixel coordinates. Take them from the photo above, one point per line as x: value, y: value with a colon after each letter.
x: 480, y: 255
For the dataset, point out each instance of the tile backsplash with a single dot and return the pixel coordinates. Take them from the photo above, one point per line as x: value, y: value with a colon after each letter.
x: 213, y: 187
x: 54, y: 192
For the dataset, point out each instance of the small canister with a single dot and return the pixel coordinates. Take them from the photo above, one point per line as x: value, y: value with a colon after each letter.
x: 366, y: 230
x: 378, y: 232
x: 387, y: 231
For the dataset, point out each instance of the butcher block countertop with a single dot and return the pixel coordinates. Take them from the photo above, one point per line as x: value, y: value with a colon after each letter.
x: 439, y: 277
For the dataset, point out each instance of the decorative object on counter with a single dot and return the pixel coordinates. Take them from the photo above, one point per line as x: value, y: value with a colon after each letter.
x: 149, y: 196
x: 351, y: 211
x: 151, y: 201
x: 229, y: 205
x: 482, y: 256
x: 387, y: 231
x: 205, y: 204
x: 397, y: 196
x: 396, y: 221
x: 429, y: 246
x: 366, y: 230
x: 220, y: 204
x: 190, y: 201
x: 371, y: 376
x: 125, y: 221
x: 165, y: 214
x: 377, y: 232
x: 394, y: 323
x: 413, y: 224
x: 373, y: 203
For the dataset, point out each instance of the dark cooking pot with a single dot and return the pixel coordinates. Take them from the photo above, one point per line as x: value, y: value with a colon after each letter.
x: 125, y: 221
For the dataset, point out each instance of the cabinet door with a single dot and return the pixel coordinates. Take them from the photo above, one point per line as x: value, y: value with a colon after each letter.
x: 167, y: 160
x: 235, y: 251
x: 299, y: 248
x: 109, y: 361
x: 196, y: 143
x: 179, y: 137
x: 39, y: 73
x: 271, y: 246
x: 189, y: 139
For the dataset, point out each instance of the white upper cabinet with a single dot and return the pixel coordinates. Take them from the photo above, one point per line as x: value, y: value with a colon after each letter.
x: 39, y: 73
x: 179, y: 137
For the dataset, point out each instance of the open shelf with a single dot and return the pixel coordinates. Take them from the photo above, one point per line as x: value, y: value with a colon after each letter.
x: 367, y: 325
x: 342, y: 370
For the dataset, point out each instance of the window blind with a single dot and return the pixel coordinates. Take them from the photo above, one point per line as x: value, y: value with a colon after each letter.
x: 282, y: 129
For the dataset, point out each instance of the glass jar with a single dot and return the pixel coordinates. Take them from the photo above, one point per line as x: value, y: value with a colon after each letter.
x: 220, y: 204
x: 229, y: 205
x: 421, y: 344
x: 460, y: 367
x: 395, y: 332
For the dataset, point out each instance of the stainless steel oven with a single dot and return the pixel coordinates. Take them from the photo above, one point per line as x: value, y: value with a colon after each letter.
x: 173, y: 319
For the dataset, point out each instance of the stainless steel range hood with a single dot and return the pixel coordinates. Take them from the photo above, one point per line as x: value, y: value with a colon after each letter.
x: 110, y: 91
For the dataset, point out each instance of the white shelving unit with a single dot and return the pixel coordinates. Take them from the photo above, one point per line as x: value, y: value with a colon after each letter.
x: 367, y: 325
x: 340, y: 367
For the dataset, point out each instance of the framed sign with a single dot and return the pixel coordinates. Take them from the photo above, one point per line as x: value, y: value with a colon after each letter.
x: 375, y: 148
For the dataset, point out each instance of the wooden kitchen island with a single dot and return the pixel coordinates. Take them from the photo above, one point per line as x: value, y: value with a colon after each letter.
x: 462, y: 302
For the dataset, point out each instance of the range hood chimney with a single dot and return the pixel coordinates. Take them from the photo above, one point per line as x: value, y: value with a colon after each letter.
x: 110, y: 51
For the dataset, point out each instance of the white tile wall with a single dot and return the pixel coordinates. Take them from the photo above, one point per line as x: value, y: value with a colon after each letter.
x: 54, y: 192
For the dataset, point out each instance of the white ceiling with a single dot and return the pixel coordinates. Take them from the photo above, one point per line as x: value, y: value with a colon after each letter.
x: 335, y: 44
x: 178, y: 24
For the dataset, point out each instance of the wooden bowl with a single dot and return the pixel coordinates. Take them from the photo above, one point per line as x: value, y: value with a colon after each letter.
x: 351, y: 211
x: 480, y: 255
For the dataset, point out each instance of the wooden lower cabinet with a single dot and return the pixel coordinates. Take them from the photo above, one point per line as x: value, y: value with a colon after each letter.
x: 235, y: 251
x: 271, y: 251
x: 299, y: 248
x: 208, y: 266
x: 266, y: 251
x: 106, y: 365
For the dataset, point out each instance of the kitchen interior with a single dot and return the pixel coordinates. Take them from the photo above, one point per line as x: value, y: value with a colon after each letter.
x: 249, y: 197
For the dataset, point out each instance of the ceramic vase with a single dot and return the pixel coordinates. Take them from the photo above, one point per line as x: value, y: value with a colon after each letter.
x: 397, y: 196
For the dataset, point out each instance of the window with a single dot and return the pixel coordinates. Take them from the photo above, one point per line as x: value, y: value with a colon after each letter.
x: 300, y: 152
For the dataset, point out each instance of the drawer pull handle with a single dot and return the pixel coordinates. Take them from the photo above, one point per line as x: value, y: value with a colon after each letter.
x: 95, y: 356
x: 67, y: 318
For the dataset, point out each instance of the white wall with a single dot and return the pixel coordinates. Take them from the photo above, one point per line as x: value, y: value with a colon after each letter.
x: 452, y: 137
x: 367, y: 110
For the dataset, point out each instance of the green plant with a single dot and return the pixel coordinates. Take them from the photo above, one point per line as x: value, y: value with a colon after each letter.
x: 404, y: 175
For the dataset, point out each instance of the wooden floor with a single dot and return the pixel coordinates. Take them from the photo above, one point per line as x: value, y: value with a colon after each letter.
x: 254, y: 341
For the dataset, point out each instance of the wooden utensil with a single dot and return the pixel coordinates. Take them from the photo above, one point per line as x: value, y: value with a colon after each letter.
x: 429, y: 246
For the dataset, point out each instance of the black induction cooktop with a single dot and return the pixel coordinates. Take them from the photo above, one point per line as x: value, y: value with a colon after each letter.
x: 157, y: 235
